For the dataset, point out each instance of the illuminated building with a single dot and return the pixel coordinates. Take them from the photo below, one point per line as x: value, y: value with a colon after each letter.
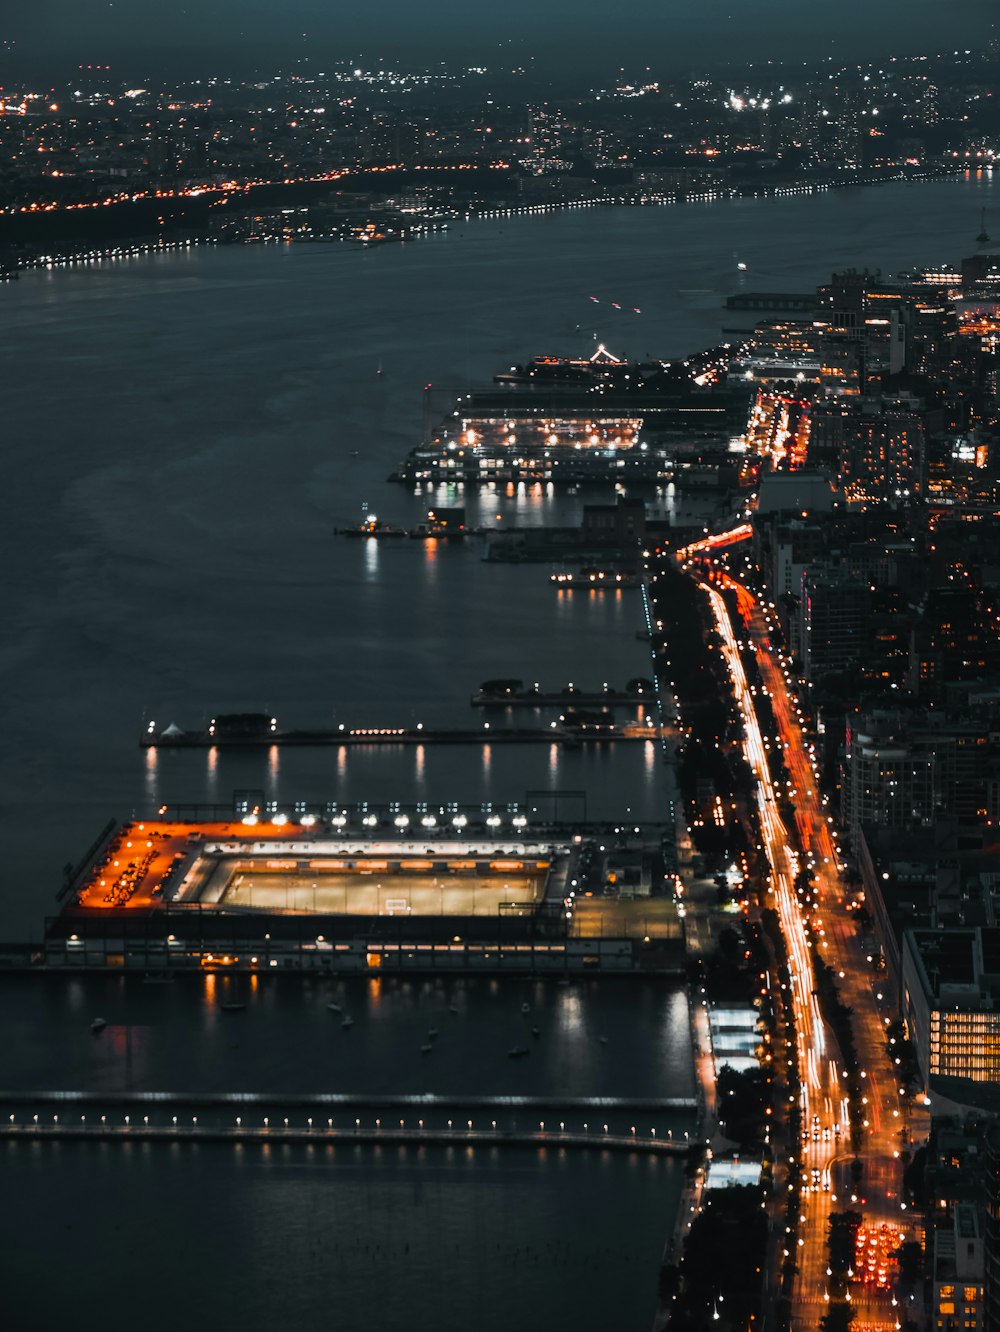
x: 905, y: 768
x: 951, y: 643
x: 883, y: 458
x: 951, y: 984
x: 958, y: 1272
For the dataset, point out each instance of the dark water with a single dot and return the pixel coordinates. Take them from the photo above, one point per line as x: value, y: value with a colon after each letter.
x: 627, y: 1038
x: 346, y: 1239
x: 182, y: 435
x: 420, y: 1238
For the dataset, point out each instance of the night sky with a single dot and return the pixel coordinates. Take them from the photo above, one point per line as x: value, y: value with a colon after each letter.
x: 587, y: 35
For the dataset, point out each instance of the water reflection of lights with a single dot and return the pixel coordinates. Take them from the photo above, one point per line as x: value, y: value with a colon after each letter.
x: 419, y: 755
x: 342, y: 761
x: 152, y: 772
x: 571, y: 1012
x: 273, y: 759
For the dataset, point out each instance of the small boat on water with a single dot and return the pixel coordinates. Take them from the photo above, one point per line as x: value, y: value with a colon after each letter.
x: 518, y: 1052
x: 604, y: 1040
x: 525, y: 1008
x: 453, y: 1008
x: 97, y: 1025
x: 426, y: 1049
x: 334, y: 1008
x: 233, y: 1006
x: 431, y: 1032
x: 536, y: 1032
x: 347, y: 1022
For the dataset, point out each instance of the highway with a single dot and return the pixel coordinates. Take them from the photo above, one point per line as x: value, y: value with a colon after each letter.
x: 827, y: 1180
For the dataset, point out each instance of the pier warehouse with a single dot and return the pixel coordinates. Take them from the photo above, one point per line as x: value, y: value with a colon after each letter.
x: 395, y: 891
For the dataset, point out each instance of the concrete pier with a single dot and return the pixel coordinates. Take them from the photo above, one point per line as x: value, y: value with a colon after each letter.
x: 321, y: 1134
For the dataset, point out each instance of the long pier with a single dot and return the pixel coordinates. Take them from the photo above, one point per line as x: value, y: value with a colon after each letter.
x: 328, y: 1136
x: 487, y: 734
x: 562, y: 698
x: 344, y: 1101
x: 237, y: 1117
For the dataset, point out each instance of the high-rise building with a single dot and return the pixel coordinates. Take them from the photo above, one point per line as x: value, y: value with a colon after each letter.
x: 834, y: 610
x: 884, y: 456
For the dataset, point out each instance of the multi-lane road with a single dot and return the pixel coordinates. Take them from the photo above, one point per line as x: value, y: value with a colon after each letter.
x: 828, y: 1181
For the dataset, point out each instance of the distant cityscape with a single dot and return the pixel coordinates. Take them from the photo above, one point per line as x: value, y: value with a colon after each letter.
x: 371, y: 153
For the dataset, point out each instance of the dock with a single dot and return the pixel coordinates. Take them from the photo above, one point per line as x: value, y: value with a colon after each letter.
x: 587, y: 1123
x: 637, y: 692
x: 555, y: 733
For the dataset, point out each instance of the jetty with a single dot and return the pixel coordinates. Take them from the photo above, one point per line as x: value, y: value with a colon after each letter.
x: 572, y: 733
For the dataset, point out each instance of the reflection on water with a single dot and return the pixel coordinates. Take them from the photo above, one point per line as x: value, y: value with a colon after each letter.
x: 388, y: 1237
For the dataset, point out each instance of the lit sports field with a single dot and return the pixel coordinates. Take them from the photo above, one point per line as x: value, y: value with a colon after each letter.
x: 350, y: 893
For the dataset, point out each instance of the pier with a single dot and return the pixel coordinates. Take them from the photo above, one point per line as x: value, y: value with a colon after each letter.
x: 513, y: 695
x: 340, y: 1101
x: 328, y: 1136
x: 345, y: 1119
x: 555, y: 733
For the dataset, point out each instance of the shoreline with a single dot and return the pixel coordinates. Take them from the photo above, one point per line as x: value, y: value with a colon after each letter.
x: 137, y: 248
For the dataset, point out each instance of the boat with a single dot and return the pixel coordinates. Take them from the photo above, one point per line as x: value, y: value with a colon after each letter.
x: 525, y: 1008
x: 347, y: 1022
x: 603, y: 1040
x: 426, y: 1049
x: 453, y: 1008
x: 334, y: 1008
x: 97, y: 1025
x: 536, y: 1032
x: 233, y: 1006
x: 431, y: 1033
x: 518, y: 1052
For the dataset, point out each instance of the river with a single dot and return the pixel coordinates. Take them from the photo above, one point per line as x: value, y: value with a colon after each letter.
x: 183, y: 434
